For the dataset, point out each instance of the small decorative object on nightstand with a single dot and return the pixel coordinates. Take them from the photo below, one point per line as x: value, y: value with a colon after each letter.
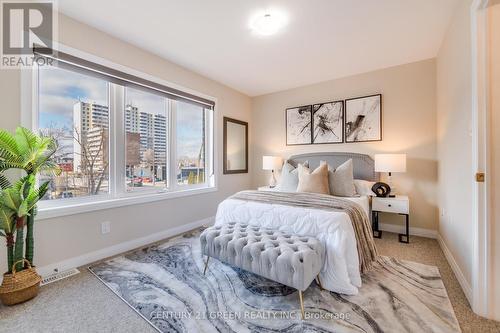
x: 397, y: 205
x: 272, y: 163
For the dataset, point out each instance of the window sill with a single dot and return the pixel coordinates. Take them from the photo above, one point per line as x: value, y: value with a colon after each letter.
x: 85, y: 206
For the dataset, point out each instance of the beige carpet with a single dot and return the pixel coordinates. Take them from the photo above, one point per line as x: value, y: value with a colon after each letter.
x: 83, y: 304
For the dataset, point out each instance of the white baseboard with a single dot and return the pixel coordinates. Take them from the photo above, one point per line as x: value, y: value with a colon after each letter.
x: 466, y: 287
x: 397, y: 229
x: 120, y: 248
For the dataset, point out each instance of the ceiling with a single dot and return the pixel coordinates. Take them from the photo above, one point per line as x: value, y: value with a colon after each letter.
x: 322, y: 40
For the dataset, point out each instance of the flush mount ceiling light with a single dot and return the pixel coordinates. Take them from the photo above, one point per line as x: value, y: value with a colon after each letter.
x: 267, y: 23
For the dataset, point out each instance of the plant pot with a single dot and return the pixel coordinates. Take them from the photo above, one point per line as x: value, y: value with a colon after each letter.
x: 20, y: 286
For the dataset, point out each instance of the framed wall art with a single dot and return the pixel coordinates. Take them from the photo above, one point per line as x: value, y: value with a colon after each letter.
x: 328, y: 122
x: 298, y: 125
x: 363, y: 119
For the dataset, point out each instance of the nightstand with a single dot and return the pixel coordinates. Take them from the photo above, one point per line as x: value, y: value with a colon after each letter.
x: 267, y: 188
x: 397, y: 205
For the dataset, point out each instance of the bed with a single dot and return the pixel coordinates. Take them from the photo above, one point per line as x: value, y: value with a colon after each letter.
x: 341, y: 271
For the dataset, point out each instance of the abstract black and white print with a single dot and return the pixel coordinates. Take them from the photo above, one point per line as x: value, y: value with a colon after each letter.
x: 298, y: 125
x: 363, y: 119
x: 328, y: 122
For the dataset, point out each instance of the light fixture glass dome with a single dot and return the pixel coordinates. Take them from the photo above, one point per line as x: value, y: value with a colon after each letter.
x: 268, y: 23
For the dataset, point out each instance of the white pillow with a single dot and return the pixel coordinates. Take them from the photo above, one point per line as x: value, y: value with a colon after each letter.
x: 289, y: 179
x: 364, y: 187
x: 341, y: 180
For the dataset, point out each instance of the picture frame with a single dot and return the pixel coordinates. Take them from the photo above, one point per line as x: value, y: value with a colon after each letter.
x: 298, y: 122
x: 235, y: 146
x: 328, y: 122
x: 363, y: 119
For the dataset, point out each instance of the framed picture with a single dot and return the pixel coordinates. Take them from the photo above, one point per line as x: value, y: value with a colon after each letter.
x: 235, y: 146
x: 363, y: 119
x: 328, y: 122
x: 298, y: 125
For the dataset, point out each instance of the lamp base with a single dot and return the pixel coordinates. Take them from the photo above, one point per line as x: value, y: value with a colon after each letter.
x: 392, y: 194
x: 272, y: 180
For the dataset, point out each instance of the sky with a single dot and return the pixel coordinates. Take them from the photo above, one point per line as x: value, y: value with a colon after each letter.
x: 60, y: 89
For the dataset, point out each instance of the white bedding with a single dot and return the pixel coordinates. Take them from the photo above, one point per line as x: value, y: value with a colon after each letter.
x: 340, y: 271
x: 363, y: 201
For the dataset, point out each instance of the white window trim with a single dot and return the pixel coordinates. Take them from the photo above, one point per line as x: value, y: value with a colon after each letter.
x: 118, y: 195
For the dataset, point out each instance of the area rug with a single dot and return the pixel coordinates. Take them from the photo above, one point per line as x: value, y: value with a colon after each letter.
x: 166, y: 286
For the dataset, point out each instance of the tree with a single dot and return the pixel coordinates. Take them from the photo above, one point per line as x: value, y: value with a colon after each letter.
x: 16, y: 203
x: 94, y: 162
x: 32, y: 153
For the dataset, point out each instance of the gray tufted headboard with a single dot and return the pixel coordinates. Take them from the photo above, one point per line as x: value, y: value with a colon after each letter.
x: 364, y: 166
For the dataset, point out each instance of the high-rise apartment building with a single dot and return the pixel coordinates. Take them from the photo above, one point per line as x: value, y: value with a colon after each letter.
x: 90, y: 122
x: 152, y: 129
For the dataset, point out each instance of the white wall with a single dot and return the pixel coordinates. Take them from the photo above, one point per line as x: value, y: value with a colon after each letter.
x: 409, y: 126
x: 66, y: 237
x: 494, y: 43
x: 454, y: 107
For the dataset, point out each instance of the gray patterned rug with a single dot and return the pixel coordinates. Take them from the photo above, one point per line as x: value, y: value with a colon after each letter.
x: 166, y: 286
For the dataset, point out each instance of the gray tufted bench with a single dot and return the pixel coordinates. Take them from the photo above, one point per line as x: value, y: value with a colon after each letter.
x: 292, y: 260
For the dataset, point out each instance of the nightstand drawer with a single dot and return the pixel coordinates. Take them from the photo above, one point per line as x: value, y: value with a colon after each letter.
x: 390, y: 205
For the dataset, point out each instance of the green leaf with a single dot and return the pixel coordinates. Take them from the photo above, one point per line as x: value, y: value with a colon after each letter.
x: 8, y: 144
x: 36, y: 194
x: 2, y: 234
x: 25, y: 139
x: 6, y: 155
x: 28, y: 151
x: 11, y: 199
x: 6, y: 220
x: 4, y: 182
x: 23, y: 209
x: 6, y: 165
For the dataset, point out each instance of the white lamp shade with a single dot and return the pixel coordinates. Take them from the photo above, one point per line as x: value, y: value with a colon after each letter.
x: 390, y: 162
x: 271, y: 162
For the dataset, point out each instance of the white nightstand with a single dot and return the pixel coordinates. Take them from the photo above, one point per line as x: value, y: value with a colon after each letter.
x: 267, y: 188
x: 397, y: 205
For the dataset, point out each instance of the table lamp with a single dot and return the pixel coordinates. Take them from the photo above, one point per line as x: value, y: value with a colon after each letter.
x: 390, y: 163
x: 272, y: 163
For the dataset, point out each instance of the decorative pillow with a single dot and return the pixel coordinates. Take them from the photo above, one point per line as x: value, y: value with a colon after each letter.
x: 313, y: 182
x: 289, y: 179
x: 364, y: 187
x: 341, y: 180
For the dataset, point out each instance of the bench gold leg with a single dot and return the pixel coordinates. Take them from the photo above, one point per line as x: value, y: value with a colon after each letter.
x: 206, y: 265
x: 301, y: 305
x: 319, y: 283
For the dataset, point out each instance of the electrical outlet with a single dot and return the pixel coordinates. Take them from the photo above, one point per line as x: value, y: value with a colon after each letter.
x: 443, y: 216
x: 105, y: 227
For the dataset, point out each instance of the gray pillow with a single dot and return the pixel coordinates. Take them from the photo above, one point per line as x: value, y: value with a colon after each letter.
x: 289, y: 179
x: 341, y: 180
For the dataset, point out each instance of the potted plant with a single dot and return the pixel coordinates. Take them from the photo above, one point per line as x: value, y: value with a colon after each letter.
x: 33, y: 154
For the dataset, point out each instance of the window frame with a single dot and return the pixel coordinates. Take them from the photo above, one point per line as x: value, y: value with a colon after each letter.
x: 118, y: 195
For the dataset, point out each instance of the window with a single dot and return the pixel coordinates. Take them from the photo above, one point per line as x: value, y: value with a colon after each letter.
x: 146, y: 139
x: 74, y: 110
x: 120, y: 136
x: 190, y: 144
